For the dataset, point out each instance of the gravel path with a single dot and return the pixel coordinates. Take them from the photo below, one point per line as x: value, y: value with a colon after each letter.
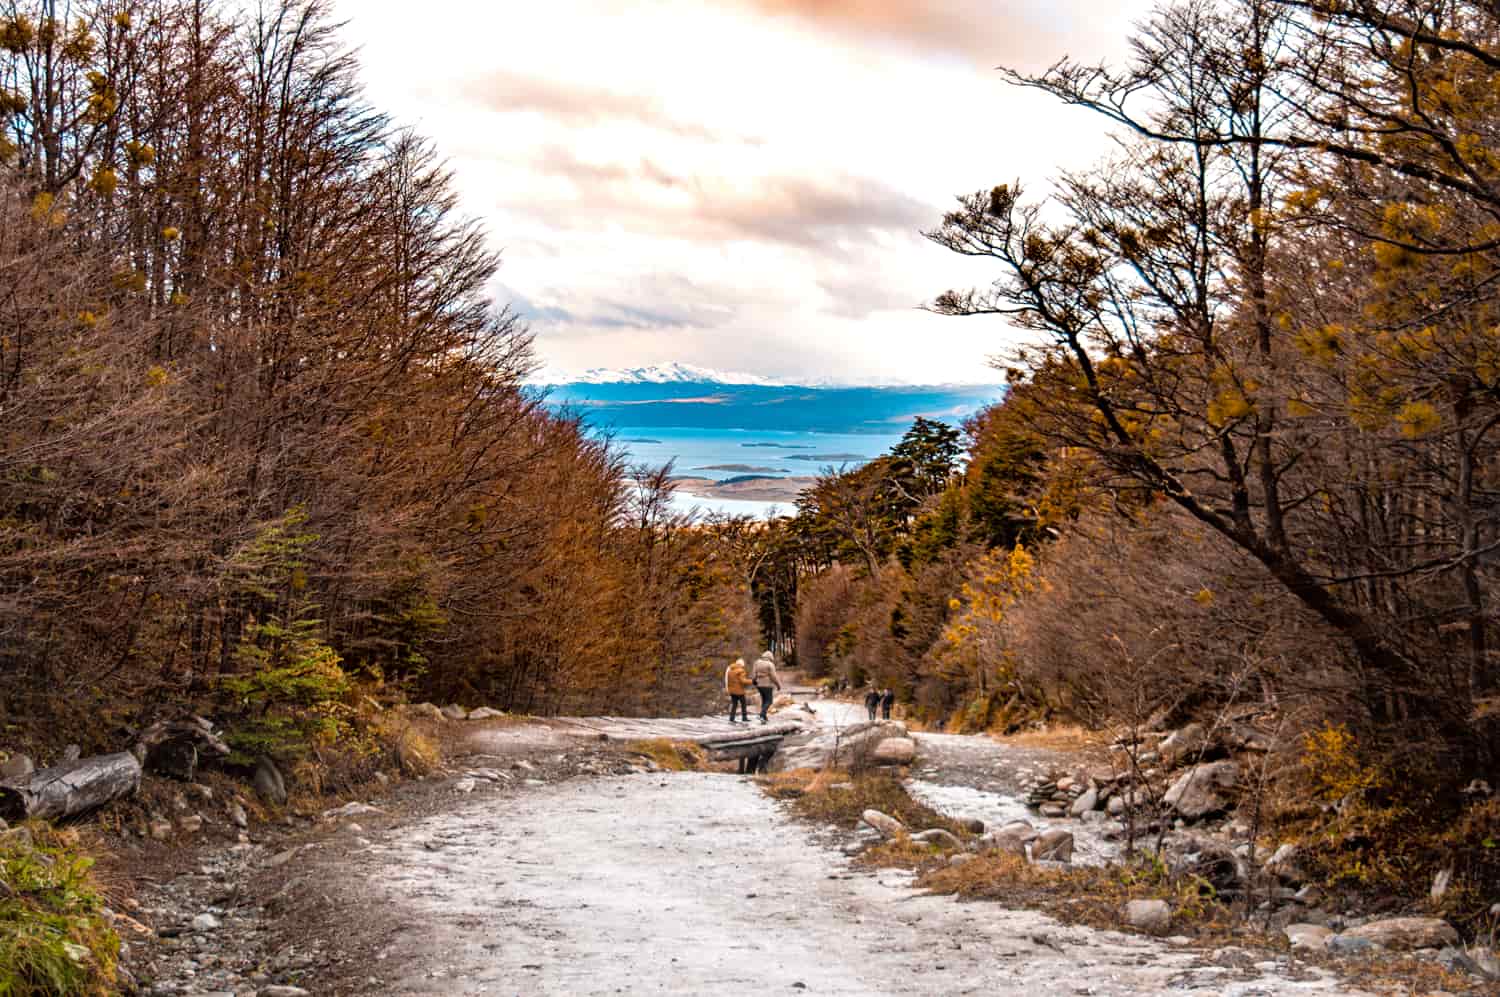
x: 698, y: 883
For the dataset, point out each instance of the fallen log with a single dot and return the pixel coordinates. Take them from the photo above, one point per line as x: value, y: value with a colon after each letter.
x: 71, y: 788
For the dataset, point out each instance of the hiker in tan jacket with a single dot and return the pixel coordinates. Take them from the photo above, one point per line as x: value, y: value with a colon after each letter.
x: 765, y: 678
x: 737, y: 683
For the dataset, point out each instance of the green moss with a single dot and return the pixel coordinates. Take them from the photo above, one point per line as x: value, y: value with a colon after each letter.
x: 54, y: 939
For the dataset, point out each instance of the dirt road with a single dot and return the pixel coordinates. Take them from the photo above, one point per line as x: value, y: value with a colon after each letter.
x: 697, y: 884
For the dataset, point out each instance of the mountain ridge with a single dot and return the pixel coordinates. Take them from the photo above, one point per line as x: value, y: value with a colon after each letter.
x: 680, y: 373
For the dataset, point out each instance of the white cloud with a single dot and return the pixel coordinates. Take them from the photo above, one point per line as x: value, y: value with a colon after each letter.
x: 738, y: 185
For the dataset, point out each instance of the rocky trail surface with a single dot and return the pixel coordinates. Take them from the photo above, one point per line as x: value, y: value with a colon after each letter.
x: 550, y: 866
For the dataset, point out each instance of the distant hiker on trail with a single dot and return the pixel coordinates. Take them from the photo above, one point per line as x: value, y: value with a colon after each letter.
x: 886, y: 702
x: 737, y: 683
x: 765, y: 679
x: 872, y: 702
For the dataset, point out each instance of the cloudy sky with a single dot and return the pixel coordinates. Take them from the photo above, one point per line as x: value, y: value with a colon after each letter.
x: 739, y: 184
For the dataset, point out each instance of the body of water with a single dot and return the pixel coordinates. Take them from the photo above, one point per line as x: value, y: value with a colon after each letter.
x: 728, y: 453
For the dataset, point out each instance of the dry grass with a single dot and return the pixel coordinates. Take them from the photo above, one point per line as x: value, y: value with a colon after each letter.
x: 673, y: 756
x: 1092, y: 895
x: 838, y: 798
x: 1060, y: 737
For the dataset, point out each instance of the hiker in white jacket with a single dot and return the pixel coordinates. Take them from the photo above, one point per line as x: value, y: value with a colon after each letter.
x: 763, y: 676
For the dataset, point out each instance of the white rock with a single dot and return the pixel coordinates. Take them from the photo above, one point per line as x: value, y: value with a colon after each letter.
x: 895, y: 751
x: 1404, y: 933
x: 1308, y: 936
x: 1085, y: 802
x: 205, y: 922
x: 455, y: 712
x: 939, y: 837
x: 1151, y: 916
x: 1181, y: 744
x: 465, y: 785
x: 485, y: 713
x: 1055, y: 845
x: 887, y: 825
x: 1203, y: 790
x: 1283, y: 864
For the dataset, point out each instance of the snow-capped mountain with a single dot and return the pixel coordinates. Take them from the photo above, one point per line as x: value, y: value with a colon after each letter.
x: 670, y: 373
x: 686, y: 373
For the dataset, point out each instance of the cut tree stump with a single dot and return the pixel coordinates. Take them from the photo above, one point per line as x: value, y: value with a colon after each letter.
x: 71, y: 788
x: 174, y: 748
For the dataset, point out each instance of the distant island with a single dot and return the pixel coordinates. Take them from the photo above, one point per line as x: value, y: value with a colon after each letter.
x: 640, y: 441
x: 781, y: 446
x: 828, y: 456
x: 748, y: 488
x: 742, y: 468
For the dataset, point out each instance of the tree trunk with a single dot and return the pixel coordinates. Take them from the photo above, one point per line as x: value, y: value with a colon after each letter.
x: 71, y: 788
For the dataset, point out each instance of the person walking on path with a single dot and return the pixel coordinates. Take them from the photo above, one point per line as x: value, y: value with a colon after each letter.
x: 737, y: 684
x: 886, y: 702
x: 872, y: 702
x: 765, y: 679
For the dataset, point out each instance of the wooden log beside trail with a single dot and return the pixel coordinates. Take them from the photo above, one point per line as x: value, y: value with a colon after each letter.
x: 71, y: 788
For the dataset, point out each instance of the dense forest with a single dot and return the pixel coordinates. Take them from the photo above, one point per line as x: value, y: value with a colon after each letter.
x: 264, y: 445
x: 1250, y: 460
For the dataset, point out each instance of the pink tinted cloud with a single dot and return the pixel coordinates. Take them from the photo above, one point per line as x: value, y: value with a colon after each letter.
x: 575, y: 105
x: 1009, y: 32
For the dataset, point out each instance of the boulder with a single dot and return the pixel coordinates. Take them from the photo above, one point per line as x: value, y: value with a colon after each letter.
x: 1013, y: 838
x: 1211, y: 859
x: 1055, y: 845
x: 455, y: 712
x: 238, y: 817
x: 1308, y: 936
x: 1243, y: 737
x: 1182, y: 745
x: 887, y: 825
x: 485, y: 713
x: 1151, y: 916
x: 269, y: 784
x: 1403, y: 934
x: 1203, y: 790
x: 1126, y: 799
x: 1458, y: 961
x: 1349, y: 945
x: 1284, y: 866
x: 1086, y: 801
x: 1053, y: 811
x: 895, y: 751
x: 937, y: 837
x: 424, y: 710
